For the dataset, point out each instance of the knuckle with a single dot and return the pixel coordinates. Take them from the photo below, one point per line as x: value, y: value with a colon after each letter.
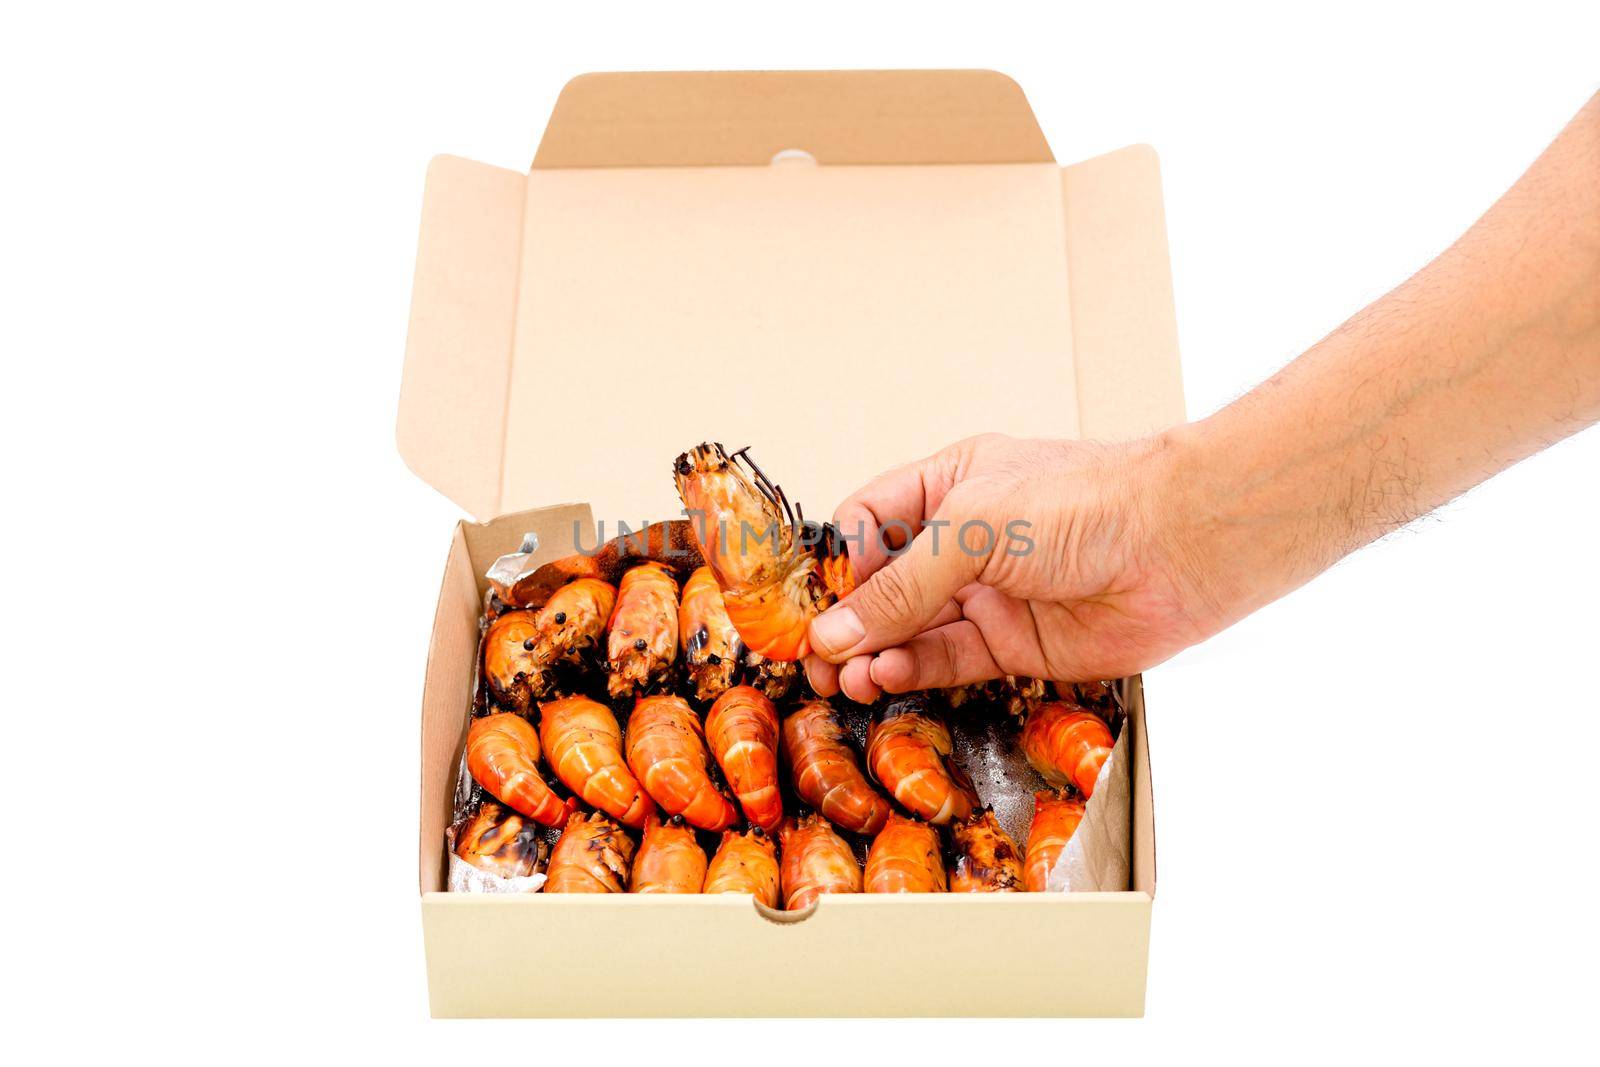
x: 893, y: 593
x: 945, y: 662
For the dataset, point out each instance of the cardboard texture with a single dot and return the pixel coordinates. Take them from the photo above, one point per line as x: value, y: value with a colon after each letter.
x: 913, y: 267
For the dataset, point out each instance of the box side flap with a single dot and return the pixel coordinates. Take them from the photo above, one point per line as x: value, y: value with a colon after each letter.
x: 721, y: 118
x: 1124, y: 329
x: 451, y: 427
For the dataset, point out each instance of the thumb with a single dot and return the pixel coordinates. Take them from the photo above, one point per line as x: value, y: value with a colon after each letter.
x: 900, y: 600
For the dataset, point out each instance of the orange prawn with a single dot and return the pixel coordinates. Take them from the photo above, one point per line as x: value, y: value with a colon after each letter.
x: 908, y: 751
x: 522, y: 647
x: 815, y: 861
x: 591, y: 856
x: 773, y: 583
x: 904, y: 858
x: 670, y: 860
x: 642, y: 647
x: 503, y: 756
x: 986, y: 859
x: 745, y: 863
x: 742, y: 727
x: 584, y: 744
x: 497, y: 840
x: 1056, y: 815
x: 1067, y: 744
x: 826, y: 772
x: 667, y: 752
x: 711, y: 645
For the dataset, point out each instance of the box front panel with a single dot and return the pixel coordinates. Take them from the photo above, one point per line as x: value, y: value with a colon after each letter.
x: 930, y: 955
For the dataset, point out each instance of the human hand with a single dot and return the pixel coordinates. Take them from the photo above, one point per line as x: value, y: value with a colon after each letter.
x: 1051, y: 559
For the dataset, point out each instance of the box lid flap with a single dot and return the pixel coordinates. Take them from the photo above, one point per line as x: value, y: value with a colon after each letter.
x: 575, y: 327
x: 727, y: 118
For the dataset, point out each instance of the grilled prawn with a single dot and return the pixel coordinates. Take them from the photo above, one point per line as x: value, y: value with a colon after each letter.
x: 711, y: 646
x: 670, y: 860
x: 826, y: 772
x: 522, y: 647
x: 773, y: 583
x: 591, y: 856
x: 642, y: 646
x: 667, y: 752
x: 503, y: 756
x: 815, y: 861
x: 508, y: 659
x: 742, y: 727
x: 986, y: 859
x: 1056, y: 815
x: 774, y: 677
x: 1067, y: 744
x: 908, y: 751
x: 745, y: 863
x: 904, y: 858
x: 1022, y: 694
x: 584, y: 744
x: 497, y: 840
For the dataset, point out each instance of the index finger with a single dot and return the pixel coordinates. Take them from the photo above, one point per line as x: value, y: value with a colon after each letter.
x: 883, y: 516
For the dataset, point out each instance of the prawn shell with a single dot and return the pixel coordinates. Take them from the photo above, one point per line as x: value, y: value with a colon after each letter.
x: 673, y: 543
x: 569, y: 628
x: 642, y: 636
x: 498, y: 840
x: 712, y: 649
x: 826, y: 771
x: 909, y: 752
x: 1067, y: 745
x: 742, y: 728
x: 502, y: 754
x: 583, y: 743
x: 815, y: 860
x: 667, y: 753
x: 772, y: 582
x: 745, y: 863
x: 591, y: 856
x: 508, y: 658
x: 669, y: 860
x: 905, y: 858
x: 986, y: 859
x: 1056, y: 816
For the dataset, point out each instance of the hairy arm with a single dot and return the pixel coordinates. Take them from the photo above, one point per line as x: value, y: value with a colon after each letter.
x: 1486, y: 356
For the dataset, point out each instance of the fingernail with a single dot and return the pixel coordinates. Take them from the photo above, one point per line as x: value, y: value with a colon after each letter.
x: 837, y: 629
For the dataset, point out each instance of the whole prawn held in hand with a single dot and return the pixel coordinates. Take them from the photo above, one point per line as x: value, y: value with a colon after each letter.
x: 826, y: 772
x: 815, y: 860
x: 670, y: 860
x: 904, y: 858
x: 986, y: 859
x: 591, y: 856
x: 769, y: 564
x: 503, y: 756
x: 712, y: 649
x: 1067, y: 745
x: 584, y: 744
x: 667, y: 752
x: 642, y: 646
x: 745, y: 863
x: 1056, y: 815
x: 909, y: 751
x: 742, y: 727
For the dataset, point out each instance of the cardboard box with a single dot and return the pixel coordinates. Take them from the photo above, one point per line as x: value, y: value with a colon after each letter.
x: 846, y: 270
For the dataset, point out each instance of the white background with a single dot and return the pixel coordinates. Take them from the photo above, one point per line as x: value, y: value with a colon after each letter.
x: 1375, y: 800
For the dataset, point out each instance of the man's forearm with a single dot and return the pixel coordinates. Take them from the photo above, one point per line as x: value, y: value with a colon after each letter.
x: 1489, y: 354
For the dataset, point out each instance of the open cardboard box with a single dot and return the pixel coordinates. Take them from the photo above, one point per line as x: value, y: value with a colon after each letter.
x: 846, y: 270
